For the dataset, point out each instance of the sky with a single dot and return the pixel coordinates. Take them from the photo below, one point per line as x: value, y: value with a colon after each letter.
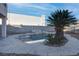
x: 38, y: 9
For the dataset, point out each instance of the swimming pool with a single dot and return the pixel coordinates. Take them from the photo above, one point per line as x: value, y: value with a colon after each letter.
x: 32, y: 37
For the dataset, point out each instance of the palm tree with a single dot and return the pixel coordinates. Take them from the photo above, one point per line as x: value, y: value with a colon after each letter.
x: 60, y: 19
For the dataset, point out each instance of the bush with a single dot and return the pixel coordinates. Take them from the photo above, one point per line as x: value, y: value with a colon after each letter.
x: 50, y: 38
x: 54, y: 41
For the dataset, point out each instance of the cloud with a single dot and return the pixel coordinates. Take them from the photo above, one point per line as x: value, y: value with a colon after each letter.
x: 72, y: 7
x: 41, y: 6
x: 29, y: 5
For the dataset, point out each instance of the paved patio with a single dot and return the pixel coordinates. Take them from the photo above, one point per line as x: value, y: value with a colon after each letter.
x: 13, y: 45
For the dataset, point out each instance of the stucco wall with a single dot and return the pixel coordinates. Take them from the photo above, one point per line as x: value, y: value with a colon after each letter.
x: 29, y: 29
x: 3, y: 9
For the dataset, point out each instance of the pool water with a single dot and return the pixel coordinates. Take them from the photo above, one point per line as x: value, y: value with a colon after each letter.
x: 32, y: 37
x: 38, y: 36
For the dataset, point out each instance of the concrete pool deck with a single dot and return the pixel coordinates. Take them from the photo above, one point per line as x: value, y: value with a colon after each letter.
x: 13, y: 45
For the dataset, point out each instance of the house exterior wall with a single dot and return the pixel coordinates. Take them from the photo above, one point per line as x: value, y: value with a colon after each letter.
x: 3, y: 16
x: 18, y: 19
x: 3, y: 9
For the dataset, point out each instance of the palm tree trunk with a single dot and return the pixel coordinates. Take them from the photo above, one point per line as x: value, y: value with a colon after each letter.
x: 59, y: 36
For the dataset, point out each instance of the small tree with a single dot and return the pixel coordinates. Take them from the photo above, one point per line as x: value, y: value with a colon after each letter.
x: 60, y: 19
